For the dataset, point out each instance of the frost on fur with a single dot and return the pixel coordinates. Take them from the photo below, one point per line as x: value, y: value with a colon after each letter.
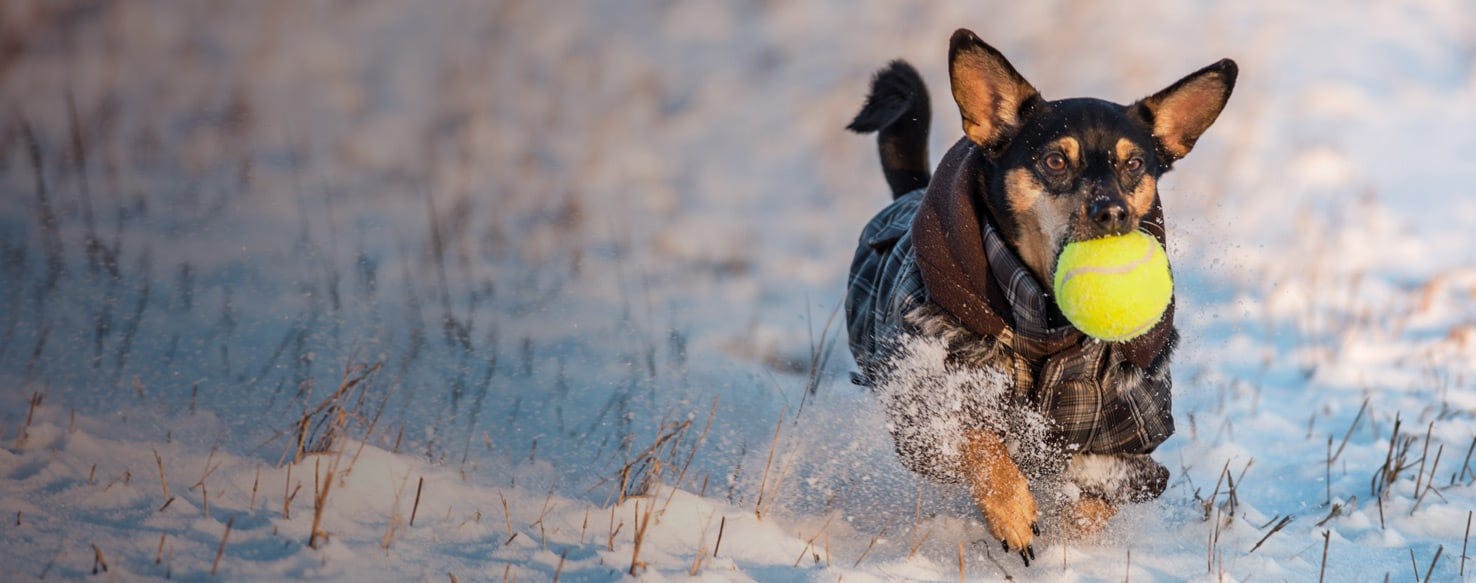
x: 931, y: 400
x: 1118, y: 478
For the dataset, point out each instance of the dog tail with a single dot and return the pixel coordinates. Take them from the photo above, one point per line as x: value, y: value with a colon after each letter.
x: 898, y: 108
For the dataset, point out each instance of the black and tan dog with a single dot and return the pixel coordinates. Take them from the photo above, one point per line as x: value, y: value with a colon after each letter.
x: 949, y: 309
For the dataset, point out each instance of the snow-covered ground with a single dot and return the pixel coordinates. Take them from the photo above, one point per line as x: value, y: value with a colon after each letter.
x: 553, y: 286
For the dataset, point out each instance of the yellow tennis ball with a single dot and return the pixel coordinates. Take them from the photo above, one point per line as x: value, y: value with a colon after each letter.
x: 1114, y: 288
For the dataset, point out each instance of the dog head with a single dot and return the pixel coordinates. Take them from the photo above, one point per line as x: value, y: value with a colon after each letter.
x: 1073, y: 169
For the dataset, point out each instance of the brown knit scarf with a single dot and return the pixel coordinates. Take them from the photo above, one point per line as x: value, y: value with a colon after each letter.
x: 969, y: 270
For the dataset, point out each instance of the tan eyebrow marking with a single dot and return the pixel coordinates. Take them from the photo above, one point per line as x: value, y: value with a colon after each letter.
x: 1071, y: 148
x: 1125, y: 149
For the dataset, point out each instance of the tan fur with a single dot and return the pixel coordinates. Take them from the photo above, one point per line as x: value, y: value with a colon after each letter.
x: 1140, y: 199
x: 999, y: 489
x: 1022, y: 190
x: 988, y: 94
x: 1086, y: 517
x: 1071, y: 148
x: 1124, y: 149
x: 1042, y: 218
x: 1180, y: 117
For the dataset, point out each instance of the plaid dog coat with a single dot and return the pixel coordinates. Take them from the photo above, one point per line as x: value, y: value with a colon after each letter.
x: 934, y: 254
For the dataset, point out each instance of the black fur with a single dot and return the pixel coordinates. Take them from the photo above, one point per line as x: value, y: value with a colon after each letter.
x: 1093, y: 193
x: 1097, y: 125
x: 1101, y: 181
x: 898, y: 108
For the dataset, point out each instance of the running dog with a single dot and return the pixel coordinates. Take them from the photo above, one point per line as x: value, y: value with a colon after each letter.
x: 948, y: 304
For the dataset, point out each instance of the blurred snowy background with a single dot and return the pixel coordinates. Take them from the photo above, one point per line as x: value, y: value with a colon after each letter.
x: 526, y: 290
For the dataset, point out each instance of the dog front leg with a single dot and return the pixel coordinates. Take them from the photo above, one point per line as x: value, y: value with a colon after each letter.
x: 1087, y: 516
x: 1001, y: 492
x: 1106, y: 482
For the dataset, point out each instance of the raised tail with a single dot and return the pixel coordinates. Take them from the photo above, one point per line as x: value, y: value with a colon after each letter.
x: 898, y: 108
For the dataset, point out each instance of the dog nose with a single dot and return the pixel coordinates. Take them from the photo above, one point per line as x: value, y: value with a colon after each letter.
x: 1110, y: 215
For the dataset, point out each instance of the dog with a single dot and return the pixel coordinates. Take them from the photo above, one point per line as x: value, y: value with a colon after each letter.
x: 948, y: 302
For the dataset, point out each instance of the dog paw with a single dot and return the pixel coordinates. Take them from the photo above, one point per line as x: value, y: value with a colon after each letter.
x: 1087, y: 516
x: 1008, y: 506
x: 1001, y: 492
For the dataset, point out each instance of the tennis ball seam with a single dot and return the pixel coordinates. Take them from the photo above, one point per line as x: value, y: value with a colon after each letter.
x: 1138, y: 293
x: 1109, y: 270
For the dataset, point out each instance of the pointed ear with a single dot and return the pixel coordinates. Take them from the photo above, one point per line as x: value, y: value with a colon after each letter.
x: 991, y: 95
x: 1179, y: 114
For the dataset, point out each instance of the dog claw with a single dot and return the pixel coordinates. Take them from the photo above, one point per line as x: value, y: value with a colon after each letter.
x: 1024, y: 557
x: 1034, y: 529
x: 1031, y: 549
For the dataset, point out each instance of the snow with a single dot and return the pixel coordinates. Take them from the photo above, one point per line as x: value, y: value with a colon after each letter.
x: 570, y: 231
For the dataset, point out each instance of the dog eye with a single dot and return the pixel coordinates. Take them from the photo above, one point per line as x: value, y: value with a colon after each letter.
x: 1134, y: 164
x: 1055, y: 162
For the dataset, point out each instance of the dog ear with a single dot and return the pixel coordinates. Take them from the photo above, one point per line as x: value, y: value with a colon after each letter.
x: 1179, y: 114
x: 992, y: 97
